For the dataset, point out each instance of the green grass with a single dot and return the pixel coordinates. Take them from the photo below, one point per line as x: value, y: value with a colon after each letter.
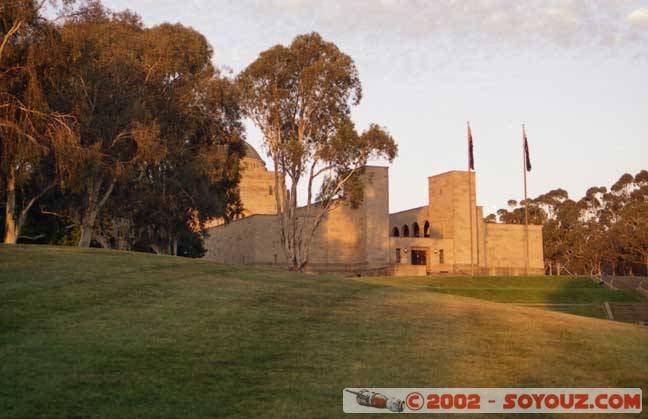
x: 105, y: 334
x: 574, y: 295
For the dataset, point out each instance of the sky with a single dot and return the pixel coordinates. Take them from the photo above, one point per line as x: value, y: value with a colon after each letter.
x: 574, y: 71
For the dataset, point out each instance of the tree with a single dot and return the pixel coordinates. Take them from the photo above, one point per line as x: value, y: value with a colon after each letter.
x: 34, y: 139
x: 103, y: 90
x: 605, y: 231
x: 199, y: 117
x: 300, y: 97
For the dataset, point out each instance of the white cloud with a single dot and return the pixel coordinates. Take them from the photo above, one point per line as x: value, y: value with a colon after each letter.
x: 562, y: 22
x: 638, y: 18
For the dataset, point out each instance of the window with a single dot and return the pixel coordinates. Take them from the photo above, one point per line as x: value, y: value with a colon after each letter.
x: 398, y: 256
x: 405, y: 230
x: 426, y: 229
x: 416, y: 231
x: 441, y: 257
x: 270, y: 190
x: 418, y: 257
x: 395, y: 232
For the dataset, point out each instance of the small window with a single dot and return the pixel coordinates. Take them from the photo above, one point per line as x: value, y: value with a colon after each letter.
x: 426, y: 229
x: 405, y: 230
x: 398, y: 256
x: 416, y: 231
x: 270, y: 190
x: 395, y: 232
x: 441, y: 257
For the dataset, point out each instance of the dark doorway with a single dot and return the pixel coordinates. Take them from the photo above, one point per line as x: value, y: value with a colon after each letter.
x: 416, y: 231
x: 419, y: 257
x: 405, y: 231
x: 441, y: 257
x: 395, y: 232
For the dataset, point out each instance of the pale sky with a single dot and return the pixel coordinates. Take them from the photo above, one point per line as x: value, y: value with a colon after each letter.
x: 574, y: 71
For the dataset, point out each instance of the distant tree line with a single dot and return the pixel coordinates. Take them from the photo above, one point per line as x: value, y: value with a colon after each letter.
x: 606, y: 231
x: 112, y: 134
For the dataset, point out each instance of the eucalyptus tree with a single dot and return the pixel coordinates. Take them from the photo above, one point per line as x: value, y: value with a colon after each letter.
x: 199, y: 117
x: 300, y: 97
x: 34, y: 139
x: 103, y: 90
x: 605, y: 230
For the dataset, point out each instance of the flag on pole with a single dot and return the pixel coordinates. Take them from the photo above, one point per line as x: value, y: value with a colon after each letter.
x: 527, y: 159
x: 471, y: 158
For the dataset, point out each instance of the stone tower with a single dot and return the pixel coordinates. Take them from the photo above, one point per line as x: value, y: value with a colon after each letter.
x: 452, y: 202
x: 376, y: 215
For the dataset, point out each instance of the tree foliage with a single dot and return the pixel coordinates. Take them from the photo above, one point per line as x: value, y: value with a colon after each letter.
x: 300, y: 97
x: 35, y: 139
x: 154, y: 130
x: 604, y: 231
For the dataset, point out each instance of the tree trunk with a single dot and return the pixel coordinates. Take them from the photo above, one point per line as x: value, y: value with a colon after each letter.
x: 550, y: 266
x: 87, y: 226
x: 558, y: 267
x: 11, y: 233
x: 92, y: 209
x: 103, y: 241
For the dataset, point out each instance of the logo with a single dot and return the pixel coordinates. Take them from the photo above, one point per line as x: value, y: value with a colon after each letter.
x: 376, y: 400
x: 415, y: 401
x: 492, y: 400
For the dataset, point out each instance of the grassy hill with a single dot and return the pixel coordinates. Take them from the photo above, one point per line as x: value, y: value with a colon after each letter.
x: 565, y: 294
x: 94, y: 333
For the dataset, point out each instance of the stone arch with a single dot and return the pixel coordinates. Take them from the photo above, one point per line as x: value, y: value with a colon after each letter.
x: 405, y: 230
x: 426, y: 229
x: 395, y: 232
x: 416, y: 230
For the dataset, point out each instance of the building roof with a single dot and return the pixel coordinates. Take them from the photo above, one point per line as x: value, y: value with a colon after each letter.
x: 250, y: 152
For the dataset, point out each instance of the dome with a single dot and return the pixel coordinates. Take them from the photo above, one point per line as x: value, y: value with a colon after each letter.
x: 250, y: 152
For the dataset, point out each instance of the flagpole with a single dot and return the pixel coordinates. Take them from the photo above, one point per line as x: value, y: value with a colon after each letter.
x: 470, y: 212
x: 526, y: 203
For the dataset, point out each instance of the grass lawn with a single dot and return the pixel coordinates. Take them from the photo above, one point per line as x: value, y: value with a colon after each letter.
x: 565, y: 294
x: 105, y: 334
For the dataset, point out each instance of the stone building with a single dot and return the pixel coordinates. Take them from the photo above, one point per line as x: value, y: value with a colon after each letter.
x: 432, y: 239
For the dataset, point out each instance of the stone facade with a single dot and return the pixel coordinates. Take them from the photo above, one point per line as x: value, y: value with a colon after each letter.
x: 432, y: 239
x: 443, y: 232
x: 256, y: 187
x: 348, y: 240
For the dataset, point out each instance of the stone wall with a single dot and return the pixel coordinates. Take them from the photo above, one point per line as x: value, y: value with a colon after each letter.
x: 407, y: 218
x: 348, y: 239
x: 235, y: 242
x: 506, y: 249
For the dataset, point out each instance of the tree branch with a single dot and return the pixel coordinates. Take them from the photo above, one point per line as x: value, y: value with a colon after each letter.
x: 14, y: 28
